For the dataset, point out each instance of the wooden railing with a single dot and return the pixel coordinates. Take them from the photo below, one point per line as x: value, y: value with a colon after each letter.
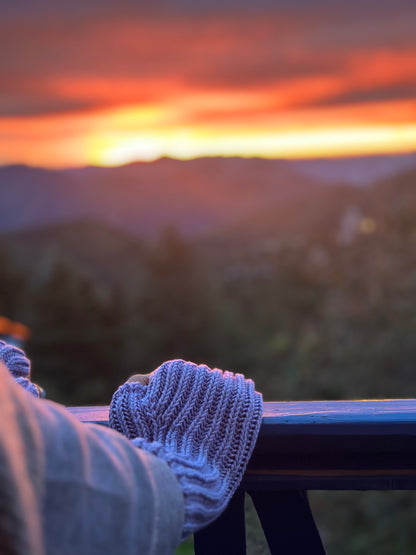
x: 316, y: 445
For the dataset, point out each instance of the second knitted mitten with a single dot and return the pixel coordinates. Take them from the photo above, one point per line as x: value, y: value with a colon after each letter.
x: 204, y: 423
x: 19, y: 367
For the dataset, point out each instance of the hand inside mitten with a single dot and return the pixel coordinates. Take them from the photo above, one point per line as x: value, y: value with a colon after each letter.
x: 204, y: 423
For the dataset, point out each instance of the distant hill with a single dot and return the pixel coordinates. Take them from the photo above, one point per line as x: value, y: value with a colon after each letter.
x: 358, y: 170
x: 195, y: 196
x: 326, y: 215
x: 310, y: 213
x: 94, y: 218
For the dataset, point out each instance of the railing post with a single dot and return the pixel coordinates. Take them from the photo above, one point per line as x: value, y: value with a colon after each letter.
x: 286, y: 519
x: 227, y: 534
x: 287, y: 522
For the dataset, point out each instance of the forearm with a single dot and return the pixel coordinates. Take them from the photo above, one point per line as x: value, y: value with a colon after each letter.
x: 84, y: 489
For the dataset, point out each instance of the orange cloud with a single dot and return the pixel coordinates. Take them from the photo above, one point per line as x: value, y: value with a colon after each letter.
x: 110, y: 90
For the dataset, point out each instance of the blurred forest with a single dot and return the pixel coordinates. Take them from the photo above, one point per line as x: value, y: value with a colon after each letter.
x: 316, y: 301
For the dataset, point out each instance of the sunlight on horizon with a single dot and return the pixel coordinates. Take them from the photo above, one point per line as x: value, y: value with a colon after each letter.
x: 145, y: 133
x: 315, y: 143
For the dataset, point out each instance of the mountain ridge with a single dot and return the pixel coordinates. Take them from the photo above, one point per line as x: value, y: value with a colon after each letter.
x: 195, y: 196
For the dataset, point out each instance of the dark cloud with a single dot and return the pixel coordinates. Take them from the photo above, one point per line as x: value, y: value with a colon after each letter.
x: 42, y: 7
x: 72, y: 55
x: 374, y: 95
x: 214, y: 52
x: 31, y: 105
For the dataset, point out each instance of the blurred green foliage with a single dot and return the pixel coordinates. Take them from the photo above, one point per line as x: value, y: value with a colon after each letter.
x: 186, y: 547
x: 325, y: 312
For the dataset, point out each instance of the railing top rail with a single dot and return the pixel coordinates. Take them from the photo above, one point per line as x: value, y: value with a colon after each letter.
x: 366, y: 444
x: 317, y: 413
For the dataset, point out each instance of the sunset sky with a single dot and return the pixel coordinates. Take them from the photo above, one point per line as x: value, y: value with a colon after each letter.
x: 105, y: 83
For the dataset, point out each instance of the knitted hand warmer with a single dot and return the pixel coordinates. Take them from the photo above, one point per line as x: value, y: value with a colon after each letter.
x: 204, y: 423
x: 19, y: 367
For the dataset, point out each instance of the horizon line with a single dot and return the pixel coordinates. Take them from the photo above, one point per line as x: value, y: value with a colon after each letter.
x: 61, y: 167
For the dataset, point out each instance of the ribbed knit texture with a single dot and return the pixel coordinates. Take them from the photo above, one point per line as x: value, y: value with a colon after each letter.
x: 204, y: 423
x: 19, y: 367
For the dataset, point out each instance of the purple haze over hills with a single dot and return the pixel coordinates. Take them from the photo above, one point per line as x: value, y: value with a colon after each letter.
x: 196, y: 196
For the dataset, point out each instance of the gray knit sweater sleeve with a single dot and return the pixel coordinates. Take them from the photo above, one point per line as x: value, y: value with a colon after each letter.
x: 70, y: 488
x: 204, y: 423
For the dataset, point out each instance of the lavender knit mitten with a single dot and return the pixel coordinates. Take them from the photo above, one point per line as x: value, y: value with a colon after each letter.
x: 204, y: 423
x: 19, y: 367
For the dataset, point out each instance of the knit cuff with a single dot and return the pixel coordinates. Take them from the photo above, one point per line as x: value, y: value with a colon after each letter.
x: 204, y: 492
x: 18, y: 365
